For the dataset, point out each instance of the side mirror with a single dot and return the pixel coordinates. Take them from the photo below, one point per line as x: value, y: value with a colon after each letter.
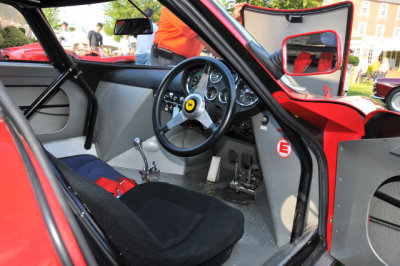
x: 134, y: 26
x: 312, y: 53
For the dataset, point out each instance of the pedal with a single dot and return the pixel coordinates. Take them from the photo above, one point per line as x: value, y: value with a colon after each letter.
x: 215, y: 167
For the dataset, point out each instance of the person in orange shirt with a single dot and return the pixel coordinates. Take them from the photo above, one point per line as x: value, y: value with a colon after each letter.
x: 174, y: 41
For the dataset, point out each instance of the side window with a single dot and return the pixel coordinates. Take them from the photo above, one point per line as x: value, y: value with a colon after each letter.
x: 90, y: 37
x: 17, y: 41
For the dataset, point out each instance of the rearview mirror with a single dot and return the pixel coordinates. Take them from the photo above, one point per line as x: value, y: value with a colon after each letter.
x: 134, y: 26
x: 312, y: 53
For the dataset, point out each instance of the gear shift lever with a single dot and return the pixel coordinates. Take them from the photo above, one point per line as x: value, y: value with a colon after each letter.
x: 148, y: 174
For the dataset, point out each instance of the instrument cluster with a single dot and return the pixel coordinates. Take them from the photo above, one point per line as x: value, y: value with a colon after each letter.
x: 217, y: 86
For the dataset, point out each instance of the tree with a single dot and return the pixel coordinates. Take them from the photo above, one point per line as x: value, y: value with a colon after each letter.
x: 278, y: 4
x: 123, y: 9
x: 290, y: 4
x: 52, y: 15
x: 13, y: 37
x: 354, y: 60
x: 1, y: 39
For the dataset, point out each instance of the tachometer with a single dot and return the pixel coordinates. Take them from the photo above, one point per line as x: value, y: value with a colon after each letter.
x: 245, y: 96
x: 215, y: 76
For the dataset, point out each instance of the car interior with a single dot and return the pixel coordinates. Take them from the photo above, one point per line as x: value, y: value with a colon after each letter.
x: 219, y: 187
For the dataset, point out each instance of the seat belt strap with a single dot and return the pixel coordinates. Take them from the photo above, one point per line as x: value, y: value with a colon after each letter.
x: 116, y: 188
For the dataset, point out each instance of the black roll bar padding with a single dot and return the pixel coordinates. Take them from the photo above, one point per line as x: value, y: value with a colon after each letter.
x: 46, y: 94
x: 91, y: 110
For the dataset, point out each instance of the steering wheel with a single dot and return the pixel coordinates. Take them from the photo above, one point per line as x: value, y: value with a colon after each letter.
x: 195, y: 106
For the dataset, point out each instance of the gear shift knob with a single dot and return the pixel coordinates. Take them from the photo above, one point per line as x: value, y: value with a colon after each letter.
x: 137, y: 141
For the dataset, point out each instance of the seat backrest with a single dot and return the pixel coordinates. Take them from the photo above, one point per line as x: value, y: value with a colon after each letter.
x: 302, y: 62
x: 325, y: 62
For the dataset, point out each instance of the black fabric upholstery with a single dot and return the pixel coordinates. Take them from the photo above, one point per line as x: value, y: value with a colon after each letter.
x: 198, y: 229
x: 177, y: 222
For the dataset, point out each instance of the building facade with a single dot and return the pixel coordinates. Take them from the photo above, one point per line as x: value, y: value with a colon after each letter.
x: 376, y: 30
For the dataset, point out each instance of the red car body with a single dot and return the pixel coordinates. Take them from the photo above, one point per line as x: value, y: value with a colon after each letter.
x: 34, y: 52
x: 386, y: 89
x: 18, y: 192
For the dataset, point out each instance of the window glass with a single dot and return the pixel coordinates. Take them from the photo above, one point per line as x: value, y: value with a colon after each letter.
x: 396, y: 32
x: 93, y: 39
x: 362, y: 28
x: 398, y: 13
x: 364, y: 8
x: 379, y: 30
x: 17, y: 41
x: 383, y: 10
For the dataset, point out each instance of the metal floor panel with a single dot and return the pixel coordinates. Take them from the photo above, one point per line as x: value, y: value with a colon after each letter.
x: 255, y: 246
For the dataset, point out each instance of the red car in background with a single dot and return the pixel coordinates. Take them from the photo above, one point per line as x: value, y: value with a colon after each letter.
x: 388, y: 90
x: 34, y: 52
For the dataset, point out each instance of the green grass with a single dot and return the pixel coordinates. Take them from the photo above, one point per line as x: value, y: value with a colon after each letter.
x: 362, y: 89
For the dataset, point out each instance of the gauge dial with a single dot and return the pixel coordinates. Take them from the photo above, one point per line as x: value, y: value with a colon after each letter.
x: 235, y: 75
x: 223, y: 95
x: 211, y: 93
x: 215, y: 76
x: 193, y: 80
x: 245, y: 95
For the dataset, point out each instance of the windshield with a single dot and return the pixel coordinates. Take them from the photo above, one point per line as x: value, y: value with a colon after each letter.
x: 93, y: 38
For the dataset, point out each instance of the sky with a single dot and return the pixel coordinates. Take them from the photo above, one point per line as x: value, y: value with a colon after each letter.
x: 84, y: 18
x: 79, y: 17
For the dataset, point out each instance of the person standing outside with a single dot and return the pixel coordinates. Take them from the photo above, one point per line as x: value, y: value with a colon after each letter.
x: 125, y: 46
x: 66, y: 37
x: 95, y: 39
x: 144, y: 43
x: 174, y: 41
x: 383, y: 68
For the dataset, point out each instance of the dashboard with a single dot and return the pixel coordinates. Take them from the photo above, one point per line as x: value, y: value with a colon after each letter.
x: 217, y: 86
x: 216, y: 91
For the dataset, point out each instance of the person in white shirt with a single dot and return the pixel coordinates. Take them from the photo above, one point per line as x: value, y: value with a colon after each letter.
x: 66, y: 36
x: 144, y: 43
x: 125, y: 46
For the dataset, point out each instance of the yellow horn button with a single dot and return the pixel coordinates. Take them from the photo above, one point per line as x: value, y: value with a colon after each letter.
x: 190, y: 105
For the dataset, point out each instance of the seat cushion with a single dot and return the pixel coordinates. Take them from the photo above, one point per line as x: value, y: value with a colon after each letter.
x: 200, y: 229
x: 169, y: 222
x: 91, y: 167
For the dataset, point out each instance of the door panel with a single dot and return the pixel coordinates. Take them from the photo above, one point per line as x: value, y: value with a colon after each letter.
x: 357, y: 238
x: 279, y: 24
x: 63, y: 116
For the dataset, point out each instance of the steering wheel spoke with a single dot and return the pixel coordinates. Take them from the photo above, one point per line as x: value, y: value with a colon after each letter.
x: 178, y: 119
x: 205, y: 120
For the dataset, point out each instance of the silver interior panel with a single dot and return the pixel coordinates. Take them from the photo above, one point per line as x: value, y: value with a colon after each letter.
x: 46, y: 120
x: 125, y: 113
x: 68, y: 147
x: 281, y: 180
x: 355, y: 187
x: 25, y: 81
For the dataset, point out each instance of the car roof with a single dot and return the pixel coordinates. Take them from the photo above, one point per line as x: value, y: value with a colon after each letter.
x: 56, y: 3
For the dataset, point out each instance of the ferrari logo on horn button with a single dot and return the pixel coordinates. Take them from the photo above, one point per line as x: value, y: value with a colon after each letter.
x: 190, y: 105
